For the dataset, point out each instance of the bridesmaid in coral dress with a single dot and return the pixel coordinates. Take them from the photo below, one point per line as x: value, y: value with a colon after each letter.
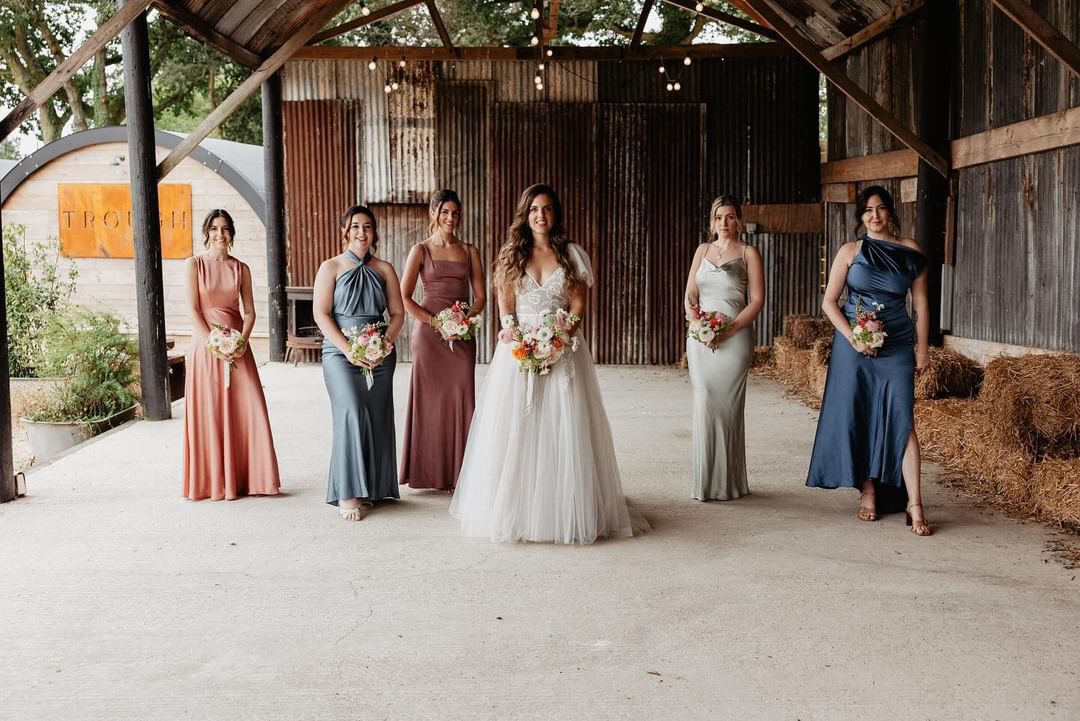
x: 228, y: 446
x: 441, y: 393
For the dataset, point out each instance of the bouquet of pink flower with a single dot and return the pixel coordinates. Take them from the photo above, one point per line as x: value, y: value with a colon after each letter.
x: 368, y: 343
x: 537, y: 349
x: 706, y: 326
x: 454, y: 323
x: 866, y: 328
x: 226, y: 344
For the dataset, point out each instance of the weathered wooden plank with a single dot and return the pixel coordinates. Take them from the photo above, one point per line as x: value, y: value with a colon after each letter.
x: 196, y: 28
x: 871, y: 31
x: 895, y: 164
x: 67, y: 69
x: 836, y: 76
x: 645, y: 10
x: 1056, y: 130
x: 838, y: 193
x: 328, y: 10
x: 909, y: 189
x: 1043, y: 32
x: 786, y: 217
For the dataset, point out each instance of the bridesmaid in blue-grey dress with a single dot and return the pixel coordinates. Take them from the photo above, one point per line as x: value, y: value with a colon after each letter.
x: 722, y: 273
x: 866, y: 430
x: 353, y: 289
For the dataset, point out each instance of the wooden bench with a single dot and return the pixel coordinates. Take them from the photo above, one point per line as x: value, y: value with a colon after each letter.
x: 303, y: 347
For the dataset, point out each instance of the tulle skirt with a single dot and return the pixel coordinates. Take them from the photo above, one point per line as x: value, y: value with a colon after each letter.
x: 539, y: 461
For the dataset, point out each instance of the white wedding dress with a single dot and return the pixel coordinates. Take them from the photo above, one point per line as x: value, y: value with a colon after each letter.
x: 539, y: 462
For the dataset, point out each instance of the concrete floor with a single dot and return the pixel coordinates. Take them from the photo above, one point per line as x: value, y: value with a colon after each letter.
x: 120, y: 600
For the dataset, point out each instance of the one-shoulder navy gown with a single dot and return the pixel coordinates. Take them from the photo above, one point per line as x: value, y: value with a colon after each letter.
x: 868, y: 409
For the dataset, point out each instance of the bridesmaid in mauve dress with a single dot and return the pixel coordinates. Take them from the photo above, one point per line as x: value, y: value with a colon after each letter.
x: 228, y: 446
x: 441, y: 393
x: 720, y: 275
x: 866, y: 430
x: 352, y: 290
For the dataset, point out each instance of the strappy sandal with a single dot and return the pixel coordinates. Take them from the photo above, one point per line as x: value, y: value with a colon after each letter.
x: 867, y: 513
x: 919, y: 526
x: 356, y: 513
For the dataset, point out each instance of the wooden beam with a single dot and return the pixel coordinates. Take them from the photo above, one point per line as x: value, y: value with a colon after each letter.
x: 881, y: 166
x: 848, y: 87
x: 646, y: 8
x: 838, y: 193
x: 375, y: 16
x: 197, y: 28
x: 273, y: 131
x: 538, y: 24
x: 724, y: 17
x: 436, y: 18
x: 67, y: 69
x: 327, y: 10
x: 552, y: 26
x: 561, y: 52
x: 1043, y: 32
x: 909, y: 189
x: 871, y: 31
x: 1046, y: 132
x: 786, y: 218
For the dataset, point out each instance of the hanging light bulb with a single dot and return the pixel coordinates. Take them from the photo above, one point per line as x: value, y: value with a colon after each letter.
x: 372, y: 65
x: 662, y: 69
x: 550, y: 52
x: 535, y: 14
x: 670, y: 87
x: 365, y: 11
x: 537, y: 79
x: 401, y: 63
x: 540, y: 66
x: 387, y: 88
x: 394, y: 85
x: 686, y: 60
x: 699, y: 7
x: 678, y: 85
x: 539, y: 86
x: 534, y: 41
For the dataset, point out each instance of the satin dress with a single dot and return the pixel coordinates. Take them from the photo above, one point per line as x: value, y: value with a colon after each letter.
x: 363, y: 457
x: 868, y: 408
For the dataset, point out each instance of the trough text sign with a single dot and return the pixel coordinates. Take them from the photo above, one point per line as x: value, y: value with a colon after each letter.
x: 95, y: 220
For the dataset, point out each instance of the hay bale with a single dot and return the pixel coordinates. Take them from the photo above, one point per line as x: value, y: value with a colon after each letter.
x: 792, y: 365
x: 1035, y: 402
x: 948, y: 374
x: 940, y: 427
x: 762, y: 358
x: 822, y: 349
x: 803, y: 330
x: 996, y: 469
x: 1056, y: 491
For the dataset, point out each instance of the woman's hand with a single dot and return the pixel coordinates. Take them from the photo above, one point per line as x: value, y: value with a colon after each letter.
x: 861, y: 347
x: 721, y: 337
x: 922, y: 361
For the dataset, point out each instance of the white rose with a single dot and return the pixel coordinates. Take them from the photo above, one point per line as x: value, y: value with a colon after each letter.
x: 545, y: 334
x: 706, y: 335
x: 228, y: 345
x: 542, y: 350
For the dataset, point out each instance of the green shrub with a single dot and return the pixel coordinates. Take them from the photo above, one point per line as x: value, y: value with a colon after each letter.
x: 99, y: 364
x: 35, y: 288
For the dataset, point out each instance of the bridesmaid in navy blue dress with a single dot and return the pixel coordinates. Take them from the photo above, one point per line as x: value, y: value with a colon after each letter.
x: 866, y: 430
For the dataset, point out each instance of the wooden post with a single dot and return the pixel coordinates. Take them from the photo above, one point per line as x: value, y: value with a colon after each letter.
x: 145, y: 218
x: 274, y: 172
x: 7, y: 459
x: 933, y: 84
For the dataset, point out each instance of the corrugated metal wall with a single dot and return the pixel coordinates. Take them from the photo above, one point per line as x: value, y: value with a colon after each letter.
x: 635, y: 165
x: 1017, y: 266
x: 401, y: 227
x: 321, y: 147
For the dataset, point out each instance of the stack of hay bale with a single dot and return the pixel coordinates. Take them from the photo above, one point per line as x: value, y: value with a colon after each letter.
x: 1018, y: 443
x: 800, y: 357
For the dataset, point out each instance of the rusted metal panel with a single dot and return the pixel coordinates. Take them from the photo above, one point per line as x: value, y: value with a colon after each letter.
x: 411, y: 111
x: 320, y: 180
x: 462, y: 163
x: 401, y: 226
x: 791, y: 264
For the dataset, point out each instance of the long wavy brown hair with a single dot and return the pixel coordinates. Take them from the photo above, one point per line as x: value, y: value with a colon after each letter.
x: 517, y: 249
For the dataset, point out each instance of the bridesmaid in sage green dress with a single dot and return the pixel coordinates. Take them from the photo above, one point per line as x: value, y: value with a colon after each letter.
x: 721, y: 275
x: 353, y: 289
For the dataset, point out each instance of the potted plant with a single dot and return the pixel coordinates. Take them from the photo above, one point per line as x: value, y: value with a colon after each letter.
x: 98, y: 363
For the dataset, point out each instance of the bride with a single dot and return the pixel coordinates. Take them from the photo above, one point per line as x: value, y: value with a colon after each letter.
x: 539, y: 462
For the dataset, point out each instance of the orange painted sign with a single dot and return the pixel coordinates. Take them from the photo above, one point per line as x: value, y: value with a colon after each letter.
x: 95, y: 220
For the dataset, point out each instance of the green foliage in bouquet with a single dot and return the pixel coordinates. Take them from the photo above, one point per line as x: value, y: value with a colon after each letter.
x: 35, y: 288
x: 98, y: 362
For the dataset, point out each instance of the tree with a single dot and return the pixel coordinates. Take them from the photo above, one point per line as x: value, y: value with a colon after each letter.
x: 9, y: 150
x: 188, y: 78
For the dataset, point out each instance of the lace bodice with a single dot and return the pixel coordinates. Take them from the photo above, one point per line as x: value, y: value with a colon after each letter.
x: 534, y: 298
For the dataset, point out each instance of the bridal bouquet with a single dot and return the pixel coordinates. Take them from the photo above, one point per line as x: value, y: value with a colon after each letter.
x: 537, y: 349
x: 368, y: 343
x: 706, y: 326
x: 454, y: 323
x: 866, y: 328
x: 226, y: 344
